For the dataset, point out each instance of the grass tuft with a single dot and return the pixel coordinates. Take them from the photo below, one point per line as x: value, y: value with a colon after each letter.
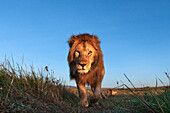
x: 155, y: 100
x: 30, y: 91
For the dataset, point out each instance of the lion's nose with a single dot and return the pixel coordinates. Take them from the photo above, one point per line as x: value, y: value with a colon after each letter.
x: 83, y: 64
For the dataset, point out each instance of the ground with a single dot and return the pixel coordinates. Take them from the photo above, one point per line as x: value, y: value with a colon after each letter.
x: 40, y: 92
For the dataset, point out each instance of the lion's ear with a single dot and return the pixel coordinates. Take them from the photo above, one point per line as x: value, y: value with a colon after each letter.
x: 72, y: 40
x: 96, y: 40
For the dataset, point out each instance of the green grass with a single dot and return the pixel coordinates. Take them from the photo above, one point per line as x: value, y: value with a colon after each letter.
x: 153, y: 99
x: 25, y: 90
x: 29, y: 91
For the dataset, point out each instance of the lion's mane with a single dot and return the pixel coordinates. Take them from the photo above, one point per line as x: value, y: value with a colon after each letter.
x: 96, y: 73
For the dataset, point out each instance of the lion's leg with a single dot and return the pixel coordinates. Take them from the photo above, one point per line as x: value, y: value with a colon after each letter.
x: 102, y: 95
x: 92, y: 88
x: 96, y: 93
x: 82, y: 94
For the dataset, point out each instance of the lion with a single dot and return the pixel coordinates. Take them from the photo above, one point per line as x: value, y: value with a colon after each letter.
x: 86, y: 65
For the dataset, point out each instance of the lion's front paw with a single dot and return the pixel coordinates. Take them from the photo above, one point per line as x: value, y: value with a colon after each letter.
x: 84, y: 103
x: 94, y: 99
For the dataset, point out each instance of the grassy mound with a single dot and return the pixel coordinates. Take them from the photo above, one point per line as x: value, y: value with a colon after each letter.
x: 23, y: 91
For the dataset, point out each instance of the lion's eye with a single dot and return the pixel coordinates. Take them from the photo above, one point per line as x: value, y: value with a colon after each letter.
x: 89, y: 53
x: 77, y: 53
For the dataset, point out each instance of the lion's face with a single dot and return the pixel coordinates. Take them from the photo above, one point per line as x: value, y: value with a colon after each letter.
x: 84, y: 57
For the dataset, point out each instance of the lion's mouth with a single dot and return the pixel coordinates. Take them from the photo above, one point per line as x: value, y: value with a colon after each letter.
x: 82, y: 71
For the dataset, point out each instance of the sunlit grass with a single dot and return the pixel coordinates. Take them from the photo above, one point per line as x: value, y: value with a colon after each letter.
x: 27, y: 90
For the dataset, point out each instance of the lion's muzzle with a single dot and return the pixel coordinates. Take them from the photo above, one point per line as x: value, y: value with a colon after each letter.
x: 83, y: 67
x: 82, y: 64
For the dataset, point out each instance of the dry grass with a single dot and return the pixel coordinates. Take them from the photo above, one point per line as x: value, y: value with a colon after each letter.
x: 30, y: 91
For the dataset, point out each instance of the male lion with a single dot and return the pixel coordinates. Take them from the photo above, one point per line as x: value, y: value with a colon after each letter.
x: 85, y: 60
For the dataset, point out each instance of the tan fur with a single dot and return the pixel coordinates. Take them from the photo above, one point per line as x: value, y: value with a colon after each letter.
x: 85, y: 60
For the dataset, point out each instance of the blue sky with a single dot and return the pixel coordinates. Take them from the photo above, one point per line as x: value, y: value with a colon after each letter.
x: 135, y: 35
